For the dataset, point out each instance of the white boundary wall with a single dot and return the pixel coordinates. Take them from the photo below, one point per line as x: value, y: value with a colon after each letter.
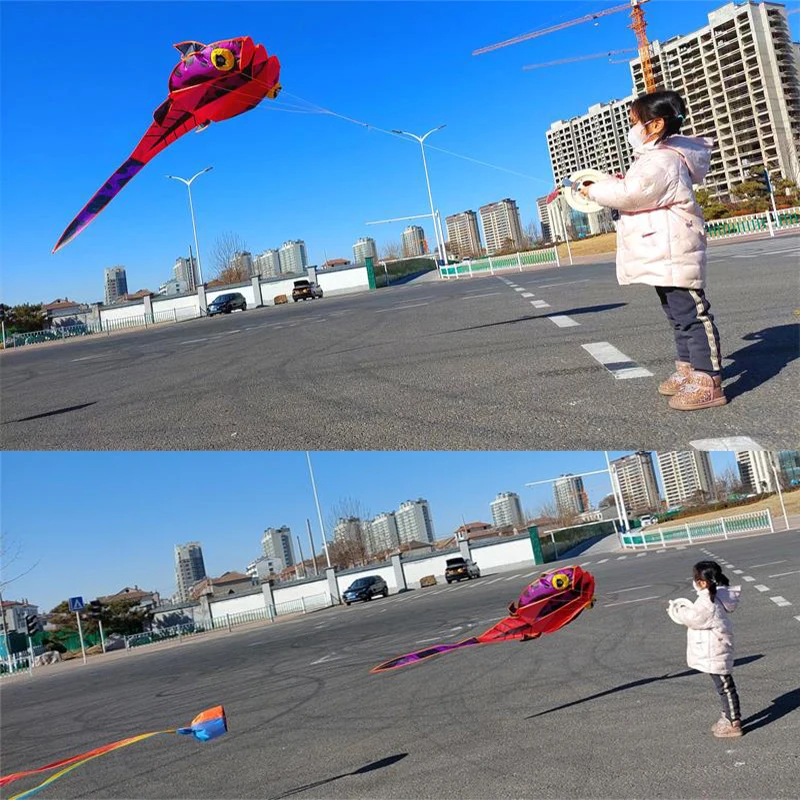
x: 237, y: 604
x: 298, y: 591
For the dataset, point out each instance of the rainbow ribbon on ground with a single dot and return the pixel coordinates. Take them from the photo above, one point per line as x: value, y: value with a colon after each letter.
x: 207, y: 725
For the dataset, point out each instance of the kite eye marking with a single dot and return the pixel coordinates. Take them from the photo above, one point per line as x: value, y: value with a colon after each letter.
x: 560, y: 580
x: 222, y: 59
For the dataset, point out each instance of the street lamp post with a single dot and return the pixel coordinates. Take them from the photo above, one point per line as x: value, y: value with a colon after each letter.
x: 780, y: 492
x: 191, y: 211
x: 434, y: 220
x: 319, y: 510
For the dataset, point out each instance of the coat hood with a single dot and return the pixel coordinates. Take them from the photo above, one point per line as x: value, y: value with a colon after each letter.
x: 729, y: 597
x: 697, y: 152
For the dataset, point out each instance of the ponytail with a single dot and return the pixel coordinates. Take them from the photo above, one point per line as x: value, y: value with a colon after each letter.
x: 712, y: 574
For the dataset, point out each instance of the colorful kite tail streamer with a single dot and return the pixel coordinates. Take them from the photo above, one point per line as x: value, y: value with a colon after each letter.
x: 73, y: 763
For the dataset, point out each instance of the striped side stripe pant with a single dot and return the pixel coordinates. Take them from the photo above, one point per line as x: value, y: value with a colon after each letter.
x: 728, y: 696
x: 696, y: 334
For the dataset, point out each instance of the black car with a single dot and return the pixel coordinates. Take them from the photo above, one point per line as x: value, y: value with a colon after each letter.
x: 459, y: 568
x: 365, y: 589
x: 225, y: 303
x: 304, y: 289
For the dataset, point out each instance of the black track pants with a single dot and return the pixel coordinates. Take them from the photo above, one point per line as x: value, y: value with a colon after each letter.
x: 728, y: 696
x: 696, y: 335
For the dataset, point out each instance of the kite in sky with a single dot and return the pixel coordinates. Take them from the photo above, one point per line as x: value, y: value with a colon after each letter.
x: 207, y: 725
x: 212, y: 82
x: 550, y: 602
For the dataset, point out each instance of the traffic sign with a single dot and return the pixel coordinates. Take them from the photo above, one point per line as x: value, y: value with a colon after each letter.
x: 76, y: 604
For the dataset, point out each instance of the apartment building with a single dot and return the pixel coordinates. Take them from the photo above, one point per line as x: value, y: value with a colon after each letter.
x: 463, y: 237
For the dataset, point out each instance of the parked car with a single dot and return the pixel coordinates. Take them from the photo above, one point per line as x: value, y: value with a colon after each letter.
x: 225, y: 303
x: 365, y: 589
x: 303, y: 289
x: 456, y: 569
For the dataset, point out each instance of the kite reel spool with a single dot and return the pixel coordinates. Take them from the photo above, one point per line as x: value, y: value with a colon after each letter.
x: 574, y: 198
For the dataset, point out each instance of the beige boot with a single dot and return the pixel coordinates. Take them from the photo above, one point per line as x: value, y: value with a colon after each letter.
x: 700, y: 391
x: 683, y: 369
x: 725, y: 729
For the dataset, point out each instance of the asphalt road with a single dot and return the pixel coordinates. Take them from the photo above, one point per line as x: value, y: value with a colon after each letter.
x: 606, y: 707
x: 467, y: 364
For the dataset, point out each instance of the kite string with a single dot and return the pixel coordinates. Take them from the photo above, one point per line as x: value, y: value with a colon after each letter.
x: 74, y: 763
x: 293, y: 108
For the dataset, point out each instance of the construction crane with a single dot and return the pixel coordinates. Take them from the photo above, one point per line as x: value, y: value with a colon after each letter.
x: 639, y: 27
x: 583, y: 58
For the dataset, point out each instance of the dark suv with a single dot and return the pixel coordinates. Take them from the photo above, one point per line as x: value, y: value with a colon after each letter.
x: 304, y: 289
x: 226, y: 303
x: 365, y: 589
x: 460, y: 568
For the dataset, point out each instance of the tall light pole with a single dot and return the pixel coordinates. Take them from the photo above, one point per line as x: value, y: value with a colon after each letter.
x: 319, y: 510
x: 434, y: 219
x: 191, y: 211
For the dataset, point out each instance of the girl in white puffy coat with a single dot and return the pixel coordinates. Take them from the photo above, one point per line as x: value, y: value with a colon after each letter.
x: 661, y: 240
x: 709, y: 646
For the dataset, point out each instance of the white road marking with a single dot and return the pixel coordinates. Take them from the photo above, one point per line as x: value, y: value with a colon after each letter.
x: 625, y: 602
x: 540, y: 304
x: 797, y: 618
x: 738, y: 572
x: 527, y: 294
x: 619, y: 558
x: 195, y: 341
x: 639, y: 555
x: 761, y: 587
x: 681, y: 547
x: 399, y: 308
x: 634, y: 588
x: 513, y: 577
x: 519, y: 289
x: 585, y: 564
x: 325, y: 659
x: 768, y: 564
x: 563, y: 321
x: 602, y: 561
x: 502, y: 577
x: 664, y: 550
x: 615, y: 361
x: 536, y: 572
x: 86, y: 358
x: 565, y: 283
x: 485, y: 294
x: 782, y: 574
x: 727, y: 443
x: 780, y: 601
x: 749, y: 579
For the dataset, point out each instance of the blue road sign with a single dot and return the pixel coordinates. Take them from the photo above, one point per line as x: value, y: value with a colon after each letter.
x: 76, y: 604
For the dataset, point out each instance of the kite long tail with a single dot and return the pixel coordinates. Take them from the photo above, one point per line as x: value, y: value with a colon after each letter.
x: 421, y: 655
x: 69, y: 764
x: 104, y: 195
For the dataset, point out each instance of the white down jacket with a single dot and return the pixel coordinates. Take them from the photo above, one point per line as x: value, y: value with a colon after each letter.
x: 709, y: 645
x: 661, y: 238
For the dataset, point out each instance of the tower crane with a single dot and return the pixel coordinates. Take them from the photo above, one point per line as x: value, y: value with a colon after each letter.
x: 639, y: 27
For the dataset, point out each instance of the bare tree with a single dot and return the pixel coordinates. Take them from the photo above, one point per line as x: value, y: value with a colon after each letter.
x: 226, y: 247
x: 391, y: 251
x: 531, y: 234
x: 351, y: 545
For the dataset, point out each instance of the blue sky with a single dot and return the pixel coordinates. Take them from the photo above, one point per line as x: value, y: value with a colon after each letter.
x: 81, y: 80
x: 93, y: 523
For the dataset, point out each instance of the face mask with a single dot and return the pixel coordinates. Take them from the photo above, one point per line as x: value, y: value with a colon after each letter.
x: 636, y: 135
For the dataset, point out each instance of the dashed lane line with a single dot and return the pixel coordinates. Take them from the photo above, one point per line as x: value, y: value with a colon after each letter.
x: 634, y: 588
x: 761, y: 587
x: 780, y: 601
x: 615, y: 361
x: 485, y: 294
x: 563, y: 321
x: 527, y: 294
x: 602, y: 561
x: 519, y: 289
x: 749, y: 579
x: 783, y: 574
x: 738, y: 572
x: 565, y: 283
x: 767, y: 564
x: 540, y: 304
x: 726, y: 443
